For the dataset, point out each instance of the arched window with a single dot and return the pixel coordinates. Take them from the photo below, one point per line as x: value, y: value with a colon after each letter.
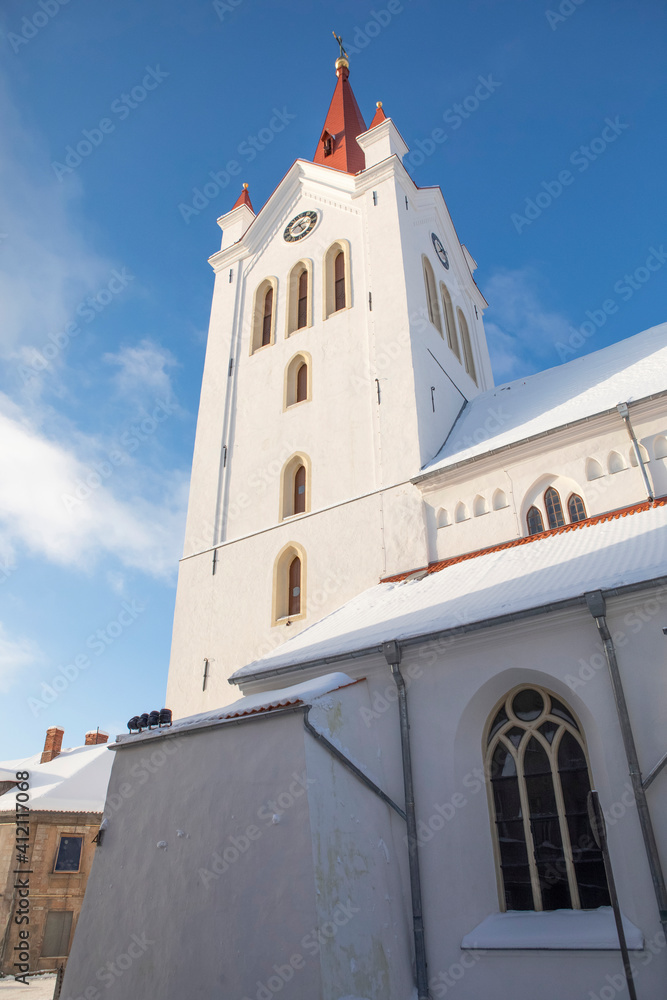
x: 431, y: 297
x: 289, y: 581
x: 297, y: 379
x: 302, y: 382
x: 468, y: 359
x: 337, y: 288
x: 534, y: 521
x: 299, y: 299
x: 593, y: 469
x: 450, y: 322
x: 499, y: 500
x: 264, y: 315
x: 615, y: 463
x: 660, y: 447
x: 554, y: 508
x: 576, y: 509
x: 300, y: 490
x: 295, y: 486
x: 443, y: 518
x: 539, y: 777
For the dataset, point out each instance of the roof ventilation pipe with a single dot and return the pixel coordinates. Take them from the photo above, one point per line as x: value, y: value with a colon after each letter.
x: 392, y: 654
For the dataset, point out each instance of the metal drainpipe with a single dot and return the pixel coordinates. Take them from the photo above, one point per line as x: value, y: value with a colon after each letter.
x: 392, y: 653
x: 624, y: 411
x: 597, y: 607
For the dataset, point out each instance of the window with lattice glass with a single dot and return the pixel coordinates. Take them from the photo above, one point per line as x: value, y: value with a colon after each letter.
x: 554, y: 508
x: 576, y: 509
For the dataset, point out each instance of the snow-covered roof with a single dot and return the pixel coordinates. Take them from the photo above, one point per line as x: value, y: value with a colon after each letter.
x: 613, y: 552
x: 571, y: 930
x: 629, y: 370
x: 75, y: 781
x: 297, y: 694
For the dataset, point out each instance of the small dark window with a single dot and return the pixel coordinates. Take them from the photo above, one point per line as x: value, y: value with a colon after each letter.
x: 576, y: 509
x: 69, y: 854
x: 302, y: 304
x: 57, y: 929
x: 327, y: 141
x: 302, y: 383
x: 555, y: 515
x: 300, y: 490
x: 534, y: 521
x: 339, y: 281
x: 294, y: 603
x: 268, y: 314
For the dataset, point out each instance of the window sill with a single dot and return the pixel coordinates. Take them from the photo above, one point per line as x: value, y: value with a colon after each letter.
x: 555, y: 930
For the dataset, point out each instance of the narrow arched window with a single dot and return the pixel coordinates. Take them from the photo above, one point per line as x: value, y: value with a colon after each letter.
x: 576, y: 509
x: 302, y: 303
x: 468, y: 359
x: 302, y: 383
x: 450, y: 322
x: 534, y: 521
x: 554, y: 508
x: 615, y: 463
x: 593, y: 469
x: 294, y: 585
x: 267, y: 318
x: 536, y: 760
x: 339, y: 281
x: 431, y: 297
x: 300, y: 490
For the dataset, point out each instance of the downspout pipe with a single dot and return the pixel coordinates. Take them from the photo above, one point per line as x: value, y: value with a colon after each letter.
x: 624, y: 412
x: 597, y: 607
x: 392, y: 653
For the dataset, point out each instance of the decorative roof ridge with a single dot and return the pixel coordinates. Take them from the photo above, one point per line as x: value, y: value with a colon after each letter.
x: 611, y: 515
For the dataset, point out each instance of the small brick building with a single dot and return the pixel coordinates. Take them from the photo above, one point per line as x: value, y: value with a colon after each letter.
x: 66, y: 792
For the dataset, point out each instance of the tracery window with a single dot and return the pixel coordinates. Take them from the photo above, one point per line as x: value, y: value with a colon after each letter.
x: 539, y: 783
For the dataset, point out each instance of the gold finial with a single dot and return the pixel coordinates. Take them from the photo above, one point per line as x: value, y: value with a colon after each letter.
x: 245, y: 186
x: 378, y: 104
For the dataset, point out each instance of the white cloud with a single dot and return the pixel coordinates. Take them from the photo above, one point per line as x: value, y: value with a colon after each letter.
x: 520, y: 330
x: 141, y: 368
x: 15, y: 655
x: 55, y: 505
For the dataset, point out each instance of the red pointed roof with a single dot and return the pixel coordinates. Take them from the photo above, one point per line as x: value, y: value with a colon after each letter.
x: 338, y: 146
x: 243, y: 199
x: 379, y: 116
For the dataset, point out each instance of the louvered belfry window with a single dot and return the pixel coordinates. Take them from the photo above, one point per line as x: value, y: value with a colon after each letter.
x: 339, y: 281
x: 294, y: 603
x: 268, y: 315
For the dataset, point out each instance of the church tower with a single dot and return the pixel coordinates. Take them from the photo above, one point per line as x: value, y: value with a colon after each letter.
x: 346, y: 336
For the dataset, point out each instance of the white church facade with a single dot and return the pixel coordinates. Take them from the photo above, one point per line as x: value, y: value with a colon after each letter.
x: 376, y: 532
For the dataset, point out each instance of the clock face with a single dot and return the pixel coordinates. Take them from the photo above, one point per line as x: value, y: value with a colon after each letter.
x: 440, y: 250
x: 300, y: 226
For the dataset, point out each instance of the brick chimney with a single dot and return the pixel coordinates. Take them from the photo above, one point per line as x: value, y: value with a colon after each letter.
x: 52, y: 744
x: 96, y: 736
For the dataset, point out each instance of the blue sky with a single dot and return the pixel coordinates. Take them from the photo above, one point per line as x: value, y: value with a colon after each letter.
x: 554, y: 178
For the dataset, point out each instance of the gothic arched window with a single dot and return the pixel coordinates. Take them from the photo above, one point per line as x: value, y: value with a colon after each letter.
x: 539, y: 777
x: 295, y: 486
x: 267, y: 318
x: 294, y: 587
x: 299, y: 296
x: 297, y: 380
x: 575, y: 508
x: 339, y: 281
x: 534, y: 521
x: 302, y: 382
x: 264, y: 315
x: 554, y: 508
x: 450, y: 322
x: 431, y: 297
x: 300, y: 490
x: 337, y: 288
x: 289, y: 581
x: 468, y: 359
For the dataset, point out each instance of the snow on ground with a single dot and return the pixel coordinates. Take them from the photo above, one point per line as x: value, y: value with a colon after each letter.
x: 38, y: 988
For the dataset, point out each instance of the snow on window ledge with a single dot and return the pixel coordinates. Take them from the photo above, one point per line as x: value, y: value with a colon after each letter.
x: 580, y: 930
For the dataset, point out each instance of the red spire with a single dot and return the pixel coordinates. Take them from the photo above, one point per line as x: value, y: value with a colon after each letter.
x: 379, y: 116
x: 338, y: 146
x: 243, y: 199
